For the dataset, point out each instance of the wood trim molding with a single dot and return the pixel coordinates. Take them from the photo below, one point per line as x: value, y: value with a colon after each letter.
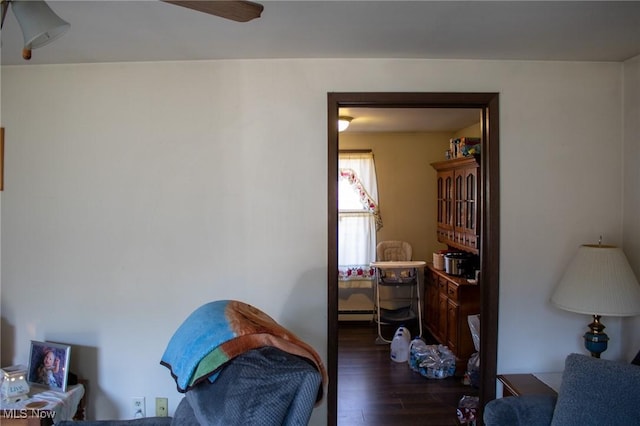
x: 490, y: 227
x: 1, y: 158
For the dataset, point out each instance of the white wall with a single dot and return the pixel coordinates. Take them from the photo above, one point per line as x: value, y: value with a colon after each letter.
x: 631, y: 210
x: 136, y: 192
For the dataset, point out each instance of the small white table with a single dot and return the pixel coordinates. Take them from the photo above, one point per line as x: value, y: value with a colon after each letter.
x: 51, y: 405
x: 398, y: 278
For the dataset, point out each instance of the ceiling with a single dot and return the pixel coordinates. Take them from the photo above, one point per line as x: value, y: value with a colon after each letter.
x: 410, y: 119
x: 151, y: 30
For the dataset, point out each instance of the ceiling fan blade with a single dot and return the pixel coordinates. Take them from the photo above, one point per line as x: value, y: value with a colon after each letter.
x: 5, y: 7
x: 239, y: 11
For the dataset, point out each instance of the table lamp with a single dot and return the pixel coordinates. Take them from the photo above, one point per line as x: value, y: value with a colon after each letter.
x: 599, y: 281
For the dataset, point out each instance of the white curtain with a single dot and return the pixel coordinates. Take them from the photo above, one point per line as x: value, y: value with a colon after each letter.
x: 358, y: 215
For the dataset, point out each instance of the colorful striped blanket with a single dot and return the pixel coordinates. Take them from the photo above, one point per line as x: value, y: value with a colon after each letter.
x: 217, y: 332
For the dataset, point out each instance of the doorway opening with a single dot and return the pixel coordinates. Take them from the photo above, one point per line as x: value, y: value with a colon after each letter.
x: 487, y: 103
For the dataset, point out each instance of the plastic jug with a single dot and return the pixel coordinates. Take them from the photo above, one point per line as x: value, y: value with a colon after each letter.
x: 400, y: 345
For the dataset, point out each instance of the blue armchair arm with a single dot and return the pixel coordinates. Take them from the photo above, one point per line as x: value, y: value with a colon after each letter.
x: 529, y: 410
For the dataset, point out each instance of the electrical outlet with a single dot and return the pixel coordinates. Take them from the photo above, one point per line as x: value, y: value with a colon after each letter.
x: 138, y: 408
x: 162, y: 407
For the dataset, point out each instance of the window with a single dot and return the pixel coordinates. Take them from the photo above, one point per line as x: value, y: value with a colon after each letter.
x: 358, y: 215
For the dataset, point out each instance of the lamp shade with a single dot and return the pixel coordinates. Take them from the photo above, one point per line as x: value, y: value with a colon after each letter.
x: 598, y: 281
x: 39, y: 24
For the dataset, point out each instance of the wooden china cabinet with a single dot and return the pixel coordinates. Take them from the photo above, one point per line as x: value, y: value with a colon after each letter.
x: 450, y: 299
x: 448, y: 303
x: 457, y: 203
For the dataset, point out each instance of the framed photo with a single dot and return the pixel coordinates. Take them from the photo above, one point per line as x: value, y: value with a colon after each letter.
x: 49, y: 365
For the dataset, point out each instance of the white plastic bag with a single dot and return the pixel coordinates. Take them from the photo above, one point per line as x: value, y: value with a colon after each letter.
x: 431, y: 361
x: 473, y: 365
x: 474, y: 326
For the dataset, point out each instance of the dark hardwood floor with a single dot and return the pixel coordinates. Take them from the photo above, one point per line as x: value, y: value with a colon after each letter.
x: 373, y: 390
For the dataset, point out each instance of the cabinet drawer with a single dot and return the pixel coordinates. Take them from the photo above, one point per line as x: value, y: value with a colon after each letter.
x: 442, y: 285
x: 452, y: 291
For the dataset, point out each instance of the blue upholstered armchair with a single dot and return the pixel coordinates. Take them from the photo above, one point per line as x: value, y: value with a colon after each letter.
x: 237, y: 366
x: 265, y: 386
x: 593, y: 392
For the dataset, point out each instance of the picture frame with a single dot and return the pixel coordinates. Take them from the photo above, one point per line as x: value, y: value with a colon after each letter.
x: 49, y: 365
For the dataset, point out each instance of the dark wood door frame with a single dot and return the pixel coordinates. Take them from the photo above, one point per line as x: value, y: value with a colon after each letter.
x: 489, y: 233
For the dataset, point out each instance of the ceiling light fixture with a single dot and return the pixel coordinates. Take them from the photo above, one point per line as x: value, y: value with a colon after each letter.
x: 343, y: 122
x: 39, y: 24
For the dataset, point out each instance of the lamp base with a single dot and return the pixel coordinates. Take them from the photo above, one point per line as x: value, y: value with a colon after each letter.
x: 595, y: 340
